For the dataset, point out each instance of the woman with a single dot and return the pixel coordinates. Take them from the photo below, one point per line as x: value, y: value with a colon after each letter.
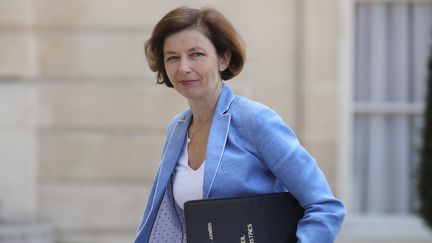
x: 224, y: 145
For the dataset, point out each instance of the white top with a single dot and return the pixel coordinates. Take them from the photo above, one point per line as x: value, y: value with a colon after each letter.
x: 188, y: 183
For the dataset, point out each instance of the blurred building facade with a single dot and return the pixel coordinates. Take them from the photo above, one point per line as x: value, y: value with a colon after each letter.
x: 82, y: 121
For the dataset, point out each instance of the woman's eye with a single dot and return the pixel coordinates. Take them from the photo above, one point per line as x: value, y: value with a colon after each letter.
x: 197, y: 54
x: 172, y: 58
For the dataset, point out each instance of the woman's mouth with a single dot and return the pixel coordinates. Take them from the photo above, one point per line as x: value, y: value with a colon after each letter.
x: 187, y: 81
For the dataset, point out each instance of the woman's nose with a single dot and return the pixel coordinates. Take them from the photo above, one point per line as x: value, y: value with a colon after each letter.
x: 185, y: 65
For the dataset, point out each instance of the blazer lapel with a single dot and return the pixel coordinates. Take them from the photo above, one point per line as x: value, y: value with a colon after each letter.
x: 172, y: 153
x: 217, y: 139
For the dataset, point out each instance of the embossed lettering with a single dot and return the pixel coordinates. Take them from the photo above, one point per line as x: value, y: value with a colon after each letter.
x: 210, y: 230
x: 250, y: 233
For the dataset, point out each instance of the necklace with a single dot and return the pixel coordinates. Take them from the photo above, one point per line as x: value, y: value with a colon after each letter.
x: 189, y: 138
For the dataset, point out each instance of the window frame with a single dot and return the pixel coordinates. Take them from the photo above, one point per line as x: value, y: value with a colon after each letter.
x: 349, y: 108
x: 358, y: 226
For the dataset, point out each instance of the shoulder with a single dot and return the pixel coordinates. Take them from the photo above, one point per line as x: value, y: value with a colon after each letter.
x: 251, y: 111
x: 260, y: 122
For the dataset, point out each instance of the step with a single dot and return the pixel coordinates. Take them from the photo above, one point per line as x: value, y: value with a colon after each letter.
x: 37, y: 232
x: 384, y: 229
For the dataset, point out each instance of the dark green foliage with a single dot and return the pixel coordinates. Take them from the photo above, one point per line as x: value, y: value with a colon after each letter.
x: 425, y: 168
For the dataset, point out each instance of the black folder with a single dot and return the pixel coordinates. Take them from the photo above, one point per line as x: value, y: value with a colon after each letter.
x: 265, y: 218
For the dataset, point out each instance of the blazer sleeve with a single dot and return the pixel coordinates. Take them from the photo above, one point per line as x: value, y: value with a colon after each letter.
x: 281, y: 151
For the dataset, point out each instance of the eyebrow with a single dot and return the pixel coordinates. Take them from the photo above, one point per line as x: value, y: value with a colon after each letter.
x: 196, y: 48
x: 192, y: 49
x: 170, y: 53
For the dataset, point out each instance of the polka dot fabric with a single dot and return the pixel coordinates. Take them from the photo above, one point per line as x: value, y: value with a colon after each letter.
x: 182, y: 221
x: 168, y: 225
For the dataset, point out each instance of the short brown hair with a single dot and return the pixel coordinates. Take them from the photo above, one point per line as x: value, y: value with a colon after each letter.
x: 209, y: 22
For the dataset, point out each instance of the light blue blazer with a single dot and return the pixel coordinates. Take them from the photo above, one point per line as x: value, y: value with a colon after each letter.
x: 251, y: 151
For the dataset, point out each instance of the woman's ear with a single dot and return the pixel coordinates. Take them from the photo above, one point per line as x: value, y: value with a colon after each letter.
x: 224, y: 61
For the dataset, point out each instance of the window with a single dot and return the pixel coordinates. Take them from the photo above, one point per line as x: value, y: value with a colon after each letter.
x: 392, y: 43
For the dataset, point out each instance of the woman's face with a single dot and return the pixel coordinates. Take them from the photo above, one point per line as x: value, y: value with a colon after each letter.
x: 192, y: 64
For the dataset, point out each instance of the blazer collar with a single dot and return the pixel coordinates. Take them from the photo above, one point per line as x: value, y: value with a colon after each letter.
x: 225, y: 99
x: 217, y: 139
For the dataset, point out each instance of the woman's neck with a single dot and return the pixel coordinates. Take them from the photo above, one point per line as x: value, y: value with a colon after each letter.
x: 202, y: 110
